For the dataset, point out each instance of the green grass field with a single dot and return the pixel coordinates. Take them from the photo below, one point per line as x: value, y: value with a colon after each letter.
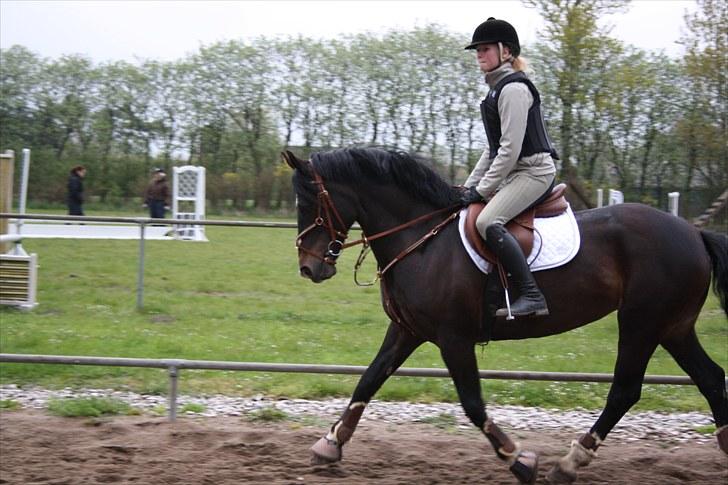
x: 239, y: 298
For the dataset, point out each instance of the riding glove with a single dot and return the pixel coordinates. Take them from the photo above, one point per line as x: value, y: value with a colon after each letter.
x: 470, y: 196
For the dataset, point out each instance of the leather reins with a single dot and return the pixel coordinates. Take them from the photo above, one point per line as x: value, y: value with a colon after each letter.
x: 326, y: 209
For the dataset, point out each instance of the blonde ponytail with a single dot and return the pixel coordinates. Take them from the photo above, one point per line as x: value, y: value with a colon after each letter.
x: 519, y: 64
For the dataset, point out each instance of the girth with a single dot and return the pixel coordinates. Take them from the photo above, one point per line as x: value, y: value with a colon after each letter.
x: 521, y: 227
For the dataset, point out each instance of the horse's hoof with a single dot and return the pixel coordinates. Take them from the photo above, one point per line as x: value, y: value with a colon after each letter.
x: 525, y: 468
x: 325, y: 451
x: 559, y: 476
x: 722, y: 436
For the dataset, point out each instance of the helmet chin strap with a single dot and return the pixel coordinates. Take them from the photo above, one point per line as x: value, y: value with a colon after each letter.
x: 501, y: 59
x: 500, y: 55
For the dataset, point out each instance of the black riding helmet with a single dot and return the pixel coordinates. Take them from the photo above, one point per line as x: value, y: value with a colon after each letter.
x: 493, y: 31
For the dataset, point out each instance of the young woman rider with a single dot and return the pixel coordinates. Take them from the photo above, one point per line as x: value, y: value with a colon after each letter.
x: 518, y: 167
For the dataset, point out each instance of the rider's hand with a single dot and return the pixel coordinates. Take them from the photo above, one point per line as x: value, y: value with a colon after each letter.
x: 470, y: 196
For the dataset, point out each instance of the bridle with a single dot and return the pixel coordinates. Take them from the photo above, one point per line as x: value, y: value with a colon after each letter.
x: 325, y: 208
x: 327, y: 215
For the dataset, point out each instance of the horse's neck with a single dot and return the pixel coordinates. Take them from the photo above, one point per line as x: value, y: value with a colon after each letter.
x: 384, y: 212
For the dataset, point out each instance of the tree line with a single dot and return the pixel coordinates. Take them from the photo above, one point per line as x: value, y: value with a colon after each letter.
x: 620, y: 116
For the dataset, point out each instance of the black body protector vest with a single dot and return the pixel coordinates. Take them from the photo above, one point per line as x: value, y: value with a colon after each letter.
x: 536, y: 140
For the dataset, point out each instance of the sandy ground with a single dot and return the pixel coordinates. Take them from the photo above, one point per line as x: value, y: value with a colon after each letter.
x: 36, y: 448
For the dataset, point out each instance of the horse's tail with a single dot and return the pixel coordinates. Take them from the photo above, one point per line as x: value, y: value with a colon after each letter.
x: 717, y: 246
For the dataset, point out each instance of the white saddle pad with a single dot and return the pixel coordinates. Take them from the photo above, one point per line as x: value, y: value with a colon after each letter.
x: 556, y: 241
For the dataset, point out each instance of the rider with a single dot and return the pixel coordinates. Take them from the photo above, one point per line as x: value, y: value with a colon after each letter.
x: 518, y: 166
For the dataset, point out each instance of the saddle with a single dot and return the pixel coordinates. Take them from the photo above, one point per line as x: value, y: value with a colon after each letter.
x: 521, y: 227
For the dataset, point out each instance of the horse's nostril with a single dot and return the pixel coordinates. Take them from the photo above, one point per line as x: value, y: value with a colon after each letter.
x: 306, y: 272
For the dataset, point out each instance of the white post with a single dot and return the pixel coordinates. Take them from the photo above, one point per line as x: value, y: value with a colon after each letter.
x: 188, y: 186
x: 673, y: 199
x: 600, y: 197
x: 23, y: 195
x: 22, y: 198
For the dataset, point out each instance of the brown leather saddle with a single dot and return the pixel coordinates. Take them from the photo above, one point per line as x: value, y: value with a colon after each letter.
x: 521, y: 227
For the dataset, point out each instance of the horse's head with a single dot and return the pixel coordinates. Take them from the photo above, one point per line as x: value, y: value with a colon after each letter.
x: 325, y: 214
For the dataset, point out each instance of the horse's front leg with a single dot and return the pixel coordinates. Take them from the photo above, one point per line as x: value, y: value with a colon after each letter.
x: 459, y: 356
x: 397, y: 346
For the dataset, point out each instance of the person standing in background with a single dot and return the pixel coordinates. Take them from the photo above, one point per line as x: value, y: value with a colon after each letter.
x: 75, y: 190
x: 156, y: 195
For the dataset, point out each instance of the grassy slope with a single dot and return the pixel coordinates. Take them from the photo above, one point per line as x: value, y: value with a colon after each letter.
x: 239, y: 298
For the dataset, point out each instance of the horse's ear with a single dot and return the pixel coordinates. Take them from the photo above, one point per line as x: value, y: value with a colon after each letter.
x: 291, y: 159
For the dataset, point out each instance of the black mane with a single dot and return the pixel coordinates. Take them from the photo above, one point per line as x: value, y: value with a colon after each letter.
x: 408, y: 172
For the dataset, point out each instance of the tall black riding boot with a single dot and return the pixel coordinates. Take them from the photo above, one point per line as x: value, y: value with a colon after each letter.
x: 530, y: 300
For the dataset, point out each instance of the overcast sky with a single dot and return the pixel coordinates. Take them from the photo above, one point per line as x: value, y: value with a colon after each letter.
x: 132, y: 30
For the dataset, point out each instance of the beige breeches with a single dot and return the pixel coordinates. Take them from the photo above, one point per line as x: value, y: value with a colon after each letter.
x: 514, y: 197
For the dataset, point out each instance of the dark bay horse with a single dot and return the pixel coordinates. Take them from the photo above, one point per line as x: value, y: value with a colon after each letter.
x: 654, y: 269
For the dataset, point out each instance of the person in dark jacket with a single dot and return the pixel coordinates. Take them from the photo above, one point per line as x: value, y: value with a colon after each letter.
x: 75, y: 190
x: 156, y: 195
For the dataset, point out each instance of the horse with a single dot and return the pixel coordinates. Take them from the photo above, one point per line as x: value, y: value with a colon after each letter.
x: 653, y: 268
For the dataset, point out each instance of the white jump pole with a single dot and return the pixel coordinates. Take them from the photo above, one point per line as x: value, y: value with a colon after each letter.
x: 188, y: 187
x: 600, y: 197
x: 673, y: 201
x: 615, y: 197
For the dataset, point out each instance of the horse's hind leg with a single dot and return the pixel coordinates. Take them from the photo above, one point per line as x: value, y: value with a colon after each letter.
x: 632, y: 357
x: 397, y: 346
x: 459, y: 356
x: 708, y: 376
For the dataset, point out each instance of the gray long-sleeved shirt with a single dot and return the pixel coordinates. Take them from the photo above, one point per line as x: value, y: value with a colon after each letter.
x: 513, y: 104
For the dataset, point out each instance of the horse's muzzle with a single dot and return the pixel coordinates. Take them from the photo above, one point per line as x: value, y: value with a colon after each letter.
x: 318, y: 272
